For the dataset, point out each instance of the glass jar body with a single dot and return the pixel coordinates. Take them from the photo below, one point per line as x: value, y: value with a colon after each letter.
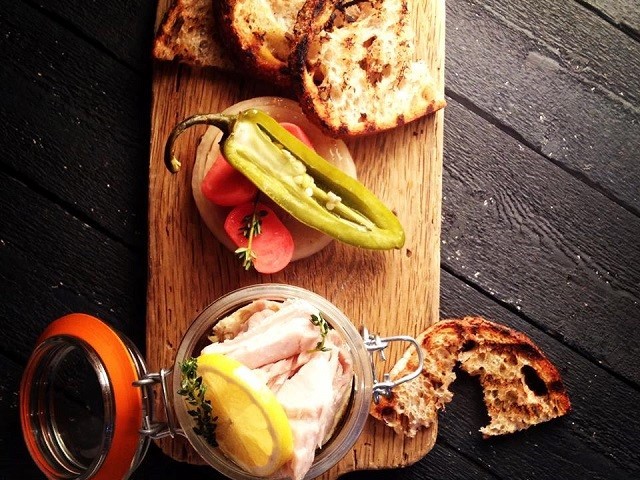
x: 354, y: 417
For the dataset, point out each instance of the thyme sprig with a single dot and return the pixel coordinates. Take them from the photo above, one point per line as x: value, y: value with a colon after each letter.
x: 192, y: 388
x: 319, y: 321
x: 251, y: 227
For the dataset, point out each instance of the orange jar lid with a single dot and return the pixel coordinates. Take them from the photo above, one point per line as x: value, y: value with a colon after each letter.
x: 81, y: 414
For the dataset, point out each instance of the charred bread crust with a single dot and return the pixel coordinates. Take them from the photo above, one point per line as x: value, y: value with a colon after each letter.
x: 187, y: 34
x: 249, y: 47
x: 313, y: 18
x: 521, y: 386
x: 352, y: 61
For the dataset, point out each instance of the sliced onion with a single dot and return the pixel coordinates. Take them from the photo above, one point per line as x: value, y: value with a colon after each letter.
x: 307, y: 240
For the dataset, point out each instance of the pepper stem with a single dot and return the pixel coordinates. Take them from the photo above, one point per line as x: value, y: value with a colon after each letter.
x: 223, y: 122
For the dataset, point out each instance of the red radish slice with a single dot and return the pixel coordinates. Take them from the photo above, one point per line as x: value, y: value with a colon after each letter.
x: 307, y: 240
x: 226, y: 186
x: 297, y: 132
x: 273, y: 246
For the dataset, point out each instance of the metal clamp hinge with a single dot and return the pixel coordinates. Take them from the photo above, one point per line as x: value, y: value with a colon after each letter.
x: 375, y: 343
x: 150, y: 427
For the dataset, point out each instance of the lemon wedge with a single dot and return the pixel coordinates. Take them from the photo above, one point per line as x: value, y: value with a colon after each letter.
x: 252, y: 428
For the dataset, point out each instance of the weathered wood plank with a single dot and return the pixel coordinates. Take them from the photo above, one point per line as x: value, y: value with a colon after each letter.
x: 124, y: 28
x: 581, y: 42
x: 75, y: 124
x: 540, y: 241
x: 64, y: 248
x: 567, y: 83
x: 53, y: 264
x: 15, y: 461
x: 577, y: 446
x: 623, y: 13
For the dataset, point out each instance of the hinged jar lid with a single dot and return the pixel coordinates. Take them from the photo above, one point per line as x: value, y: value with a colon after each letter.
x: 81, y: 417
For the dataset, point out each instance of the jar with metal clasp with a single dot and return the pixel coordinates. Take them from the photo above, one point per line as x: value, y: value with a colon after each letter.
x: 100, y: 428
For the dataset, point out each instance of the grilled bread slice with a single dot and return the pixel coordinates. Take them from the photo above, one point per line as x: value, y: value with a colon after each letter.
x: 354, y: 70
x: 187, y: 35
x: 259, y: 35
x: 521, y: 386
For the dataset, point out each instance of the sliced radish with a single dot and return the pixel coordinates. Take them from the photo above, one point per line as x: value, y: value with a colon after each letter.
x: 226, y: 186
x: 273, y: 246
x: 297, y: 132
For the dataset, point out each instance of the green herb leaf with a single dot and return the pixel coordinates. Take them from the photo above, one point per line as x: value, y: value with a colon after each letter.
x: 322, y: 324
x: 192, y: 388
x: 246, y: 256
x: 251, y: 227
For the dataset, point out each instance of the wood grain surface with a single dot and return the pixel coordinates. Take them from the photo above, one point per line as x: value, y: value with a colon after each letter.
x: 554, y: 175
x: 554, y: 84
x: 188, y: 269
x: 541, y: 212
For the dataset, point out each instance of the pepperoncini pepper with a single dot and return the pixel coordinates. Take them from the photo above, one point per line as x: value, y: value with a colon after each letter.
x: 299, y: 180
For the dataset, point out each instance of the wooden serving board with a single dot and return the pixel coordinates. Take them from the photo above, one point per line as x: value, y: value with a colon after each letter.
x: 394, y: 292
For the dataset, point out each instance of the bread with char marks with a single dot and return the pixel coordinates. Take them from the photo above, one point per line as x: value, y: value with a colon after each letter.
x: 187, y: 34
x: 521, y: 387
x: 258, y: 35
x: 354, y: 69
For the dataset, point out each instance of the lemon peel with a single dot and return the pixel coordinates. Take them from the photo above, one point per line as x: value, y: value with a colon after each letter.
x: 252, y: 428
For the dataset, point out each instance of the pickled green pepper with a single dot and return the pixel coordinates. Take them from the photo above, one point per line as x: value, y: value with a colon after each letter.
x: 299, y: 180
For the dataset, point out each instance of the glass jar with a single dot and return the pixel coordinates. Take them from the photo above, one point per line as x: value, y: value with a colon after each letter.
x: 114, y: 412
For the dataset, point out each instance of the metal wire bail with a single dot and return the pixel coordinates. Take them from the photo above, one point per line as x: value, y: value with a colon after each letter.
x: 152, y: 428
x: 375, y: 343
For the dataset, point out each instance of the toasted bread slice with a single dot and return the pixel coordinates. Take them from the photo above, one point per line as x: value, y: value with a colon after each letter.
x: 521, y: 386
x: 259, y: 33
x: 187, y: 35
x: 354, y: 69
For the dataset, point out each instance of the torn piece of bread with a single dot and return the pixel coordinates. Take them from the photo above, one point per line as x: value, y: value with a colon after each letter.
x: 187, y: 35
x: 521, y: 387
x: 258, y: 33
x: 354, y: 70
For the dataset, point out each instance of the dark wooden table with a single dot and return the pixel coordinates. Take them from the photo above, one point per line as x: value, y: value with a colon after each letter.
x: 541, y: 214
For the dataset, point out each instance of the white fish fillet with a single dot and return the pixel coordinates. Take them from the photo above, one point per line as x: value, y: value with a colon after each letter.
x: 290, y: 332
x: 312, y: 399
